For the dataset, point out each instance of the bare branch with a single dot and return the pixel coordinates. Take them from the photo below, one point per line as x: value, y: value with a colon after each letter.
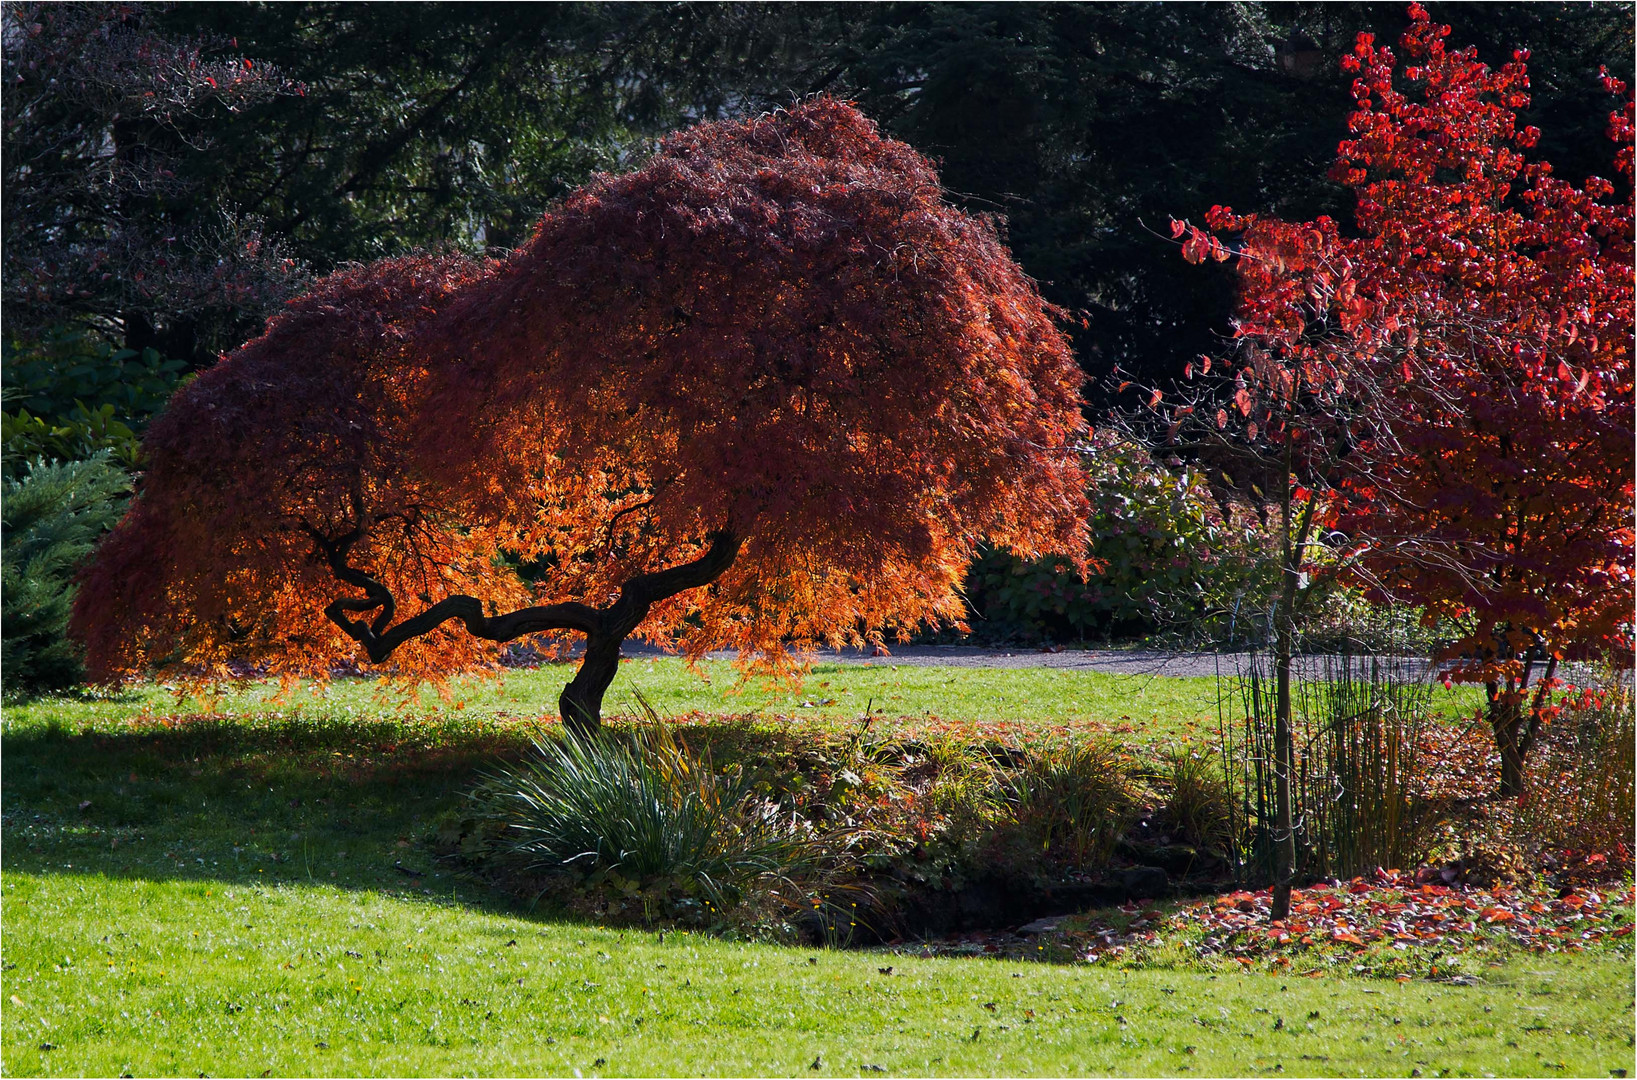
x: 380, y: 638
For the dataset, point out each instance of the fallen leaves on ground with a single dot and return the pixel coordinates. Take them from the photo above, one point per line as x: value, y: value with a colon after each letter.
x: 1388, y: 924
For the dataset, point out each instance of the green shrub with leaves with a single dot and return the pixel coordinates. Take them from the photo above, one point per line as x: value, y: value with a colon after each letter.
x: 71, y: 395
x: 1165, y: 554
x: 73, y: 369
x: 643, y: 817
x: 1170, y: 558
x: 51, y: 516
x: 74, y: 437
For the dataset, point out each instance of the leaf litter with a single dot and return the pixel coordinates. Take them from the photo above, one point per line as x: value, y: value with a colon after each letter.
x: 1388, y: 924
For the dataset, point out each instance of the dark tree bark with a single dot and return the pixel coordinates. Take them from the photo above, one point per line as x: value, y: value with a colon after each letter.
x: 1516, y: 727
x: 1295, y: 536
x: 604, y: 628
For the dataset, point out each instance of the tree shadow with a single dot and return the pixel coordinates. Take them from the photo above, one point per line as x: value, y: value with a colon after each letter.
x: 291, y: 798
x: 250, y: 800
x: 298, y: 799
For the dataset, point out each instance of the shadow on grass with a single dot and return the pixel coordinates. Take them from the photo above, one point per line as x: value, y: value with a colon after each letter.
x: 268, y: 798
x: 260, y: 799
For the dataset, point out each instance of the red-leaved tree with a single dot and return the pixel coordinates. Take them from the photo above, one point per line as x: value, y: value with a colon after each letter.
x: 1476, y: 337
x: 767, y: 390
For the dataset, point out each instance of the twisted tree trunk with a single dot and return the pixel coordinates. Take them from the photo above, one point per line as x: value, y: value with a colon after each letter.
x: 604, y: 628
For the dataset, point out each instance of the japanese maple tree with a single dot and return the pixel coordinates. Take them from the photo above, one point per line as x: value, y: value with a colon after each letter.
x: 767, y: 390
x: 1474, y: 340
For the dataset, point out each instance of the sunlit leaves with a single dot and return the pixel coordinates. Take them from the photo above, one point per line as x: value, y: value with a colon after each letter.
x: 302, y: 431
x: 1503, y: 297
x: 775, y: 327
x: 1484, y: 314
x: 777, y: 324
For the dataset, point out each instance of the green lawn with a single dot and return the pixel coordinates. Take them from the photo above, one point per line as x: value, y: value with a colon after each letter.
x: 208, y: 976
x: 222, y: 892
x: 1149, y: 705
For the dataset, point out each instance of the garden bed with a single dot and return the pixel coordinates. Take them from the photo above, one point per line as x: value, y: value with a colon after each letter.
x: 941, y: 832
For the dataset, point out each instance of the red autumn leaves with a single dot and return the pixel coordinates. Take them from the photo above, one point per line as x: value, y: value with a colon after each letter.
x: 1470, y: 353
x: 1390, y: 921
x: 776, y: 330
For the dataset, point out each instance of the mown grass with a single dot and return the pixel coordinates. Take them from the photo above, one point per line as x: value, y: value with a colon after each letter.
x: 120, y: 974
x: 831, y: 692
x: 194, y: 891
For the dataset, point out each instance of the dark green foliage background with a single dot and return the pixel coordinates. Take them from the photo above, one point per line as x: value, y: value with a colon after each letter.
x: 1087, y: 126
x: 69, y: 436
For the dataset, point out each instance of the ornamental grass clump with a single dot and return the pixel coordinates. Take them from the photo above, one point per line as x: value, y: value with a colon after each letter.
x: 645, y: 817
x: 1072, y: 801
x: 1359, y: 789
x: 1198, y: 807
x: 1366, y: 771
x: 1580, y: 792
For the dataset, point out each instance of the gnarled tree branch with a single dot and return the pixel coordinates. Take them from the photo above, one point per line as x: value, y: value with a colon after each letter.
x: 379, y: 638
x: 604, y: 628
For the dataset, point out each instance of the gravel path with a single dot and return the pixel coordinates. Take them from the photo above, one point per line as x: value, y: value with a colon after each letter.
x: 1118, y: 661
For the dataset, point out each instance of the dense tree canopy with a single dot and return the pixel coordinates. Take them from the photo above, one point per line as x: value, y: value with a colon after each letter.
x: 1473, y: 344
x: 1086, y: 125
x: 772, y: 361
x: 430, y: 124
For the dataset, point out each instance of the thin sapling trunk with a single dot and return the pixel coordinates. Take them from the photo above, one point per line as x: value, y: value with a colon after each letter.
x: 1293, y: 550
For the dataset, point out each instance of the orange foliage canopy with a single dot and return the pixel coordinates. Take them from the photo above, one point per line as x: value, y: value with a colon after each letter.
x: 772, y: 362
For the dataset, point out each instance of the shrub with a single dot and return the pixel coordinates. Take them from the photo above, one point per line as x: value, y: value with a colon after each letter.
x: 69, y: 431
x: 1165, y: 555
x: 71, y: 395
x: 644, y: 816
x: 78, y: 435
x: 53, y: 513
x: 1072, y: 801
x: 961, y: 794
x: 70, y: 366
